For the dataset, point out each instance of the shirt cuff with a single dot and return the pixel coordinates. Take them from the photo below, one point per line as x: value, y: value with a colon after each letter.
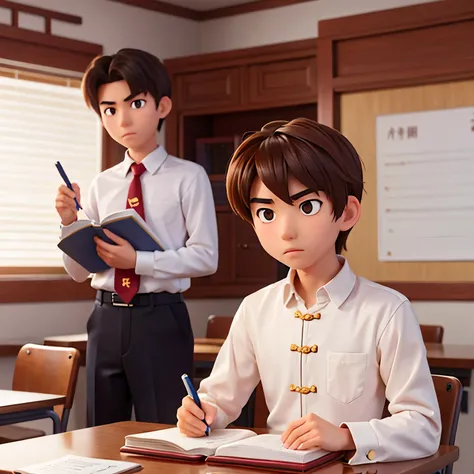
x: 66, y: 230
x: 365, y: 440
x: 145, y: 263
x: 221, y: 420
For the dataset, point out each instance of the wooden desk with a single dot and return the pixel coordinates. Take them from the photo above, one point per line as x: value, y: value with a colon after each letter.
x: 452, y: 356
x: 204, y: 349
x: 105, y: 442
x: 16, y: 407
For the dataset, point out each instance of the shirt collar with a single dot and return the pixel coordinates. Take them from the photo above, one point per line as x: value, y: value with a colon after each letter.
x: 338, y: 289
x: 152, y: 161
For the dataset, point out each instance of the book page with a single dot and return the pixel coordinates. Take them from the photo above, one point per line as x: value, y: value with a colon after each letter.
x: 268, y: 447
x: 80, y: 465
x: 173, y: 441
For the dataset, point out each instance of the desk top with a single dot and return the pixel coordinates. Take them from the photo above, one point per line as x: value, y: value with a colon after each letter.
x: 453, y: 356
x: 105, y: 442
x: 12, y: 401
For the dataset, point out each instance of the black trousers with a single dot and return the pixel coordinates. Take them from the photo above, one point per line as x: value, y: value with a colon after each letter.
x: 135, y: 357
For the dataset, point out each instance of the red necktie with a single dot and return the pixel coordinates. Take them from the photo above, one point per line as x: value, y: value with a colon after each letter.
x: 127, y: 282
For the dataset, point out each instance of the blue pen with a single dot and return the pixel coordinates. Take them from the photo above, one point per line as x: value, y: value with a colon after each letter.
x: 66, y: 180
x: 194, y: 395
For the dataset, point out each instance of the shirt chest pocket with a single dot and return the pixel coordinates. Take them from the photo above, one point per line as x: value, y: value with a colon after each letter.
x: 346, y: 375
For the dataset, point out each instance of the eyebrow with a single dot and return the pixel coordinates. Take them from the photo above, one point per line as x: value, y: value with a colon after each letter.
x: 295, y: 197
x: 127, y: 99
x: 299, y: 195
x: 261, y: 201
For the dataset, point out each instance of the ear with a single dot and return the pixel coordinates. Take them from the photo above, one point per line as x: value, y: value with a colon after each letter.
x: 164, y: 107
x: 351, y: 214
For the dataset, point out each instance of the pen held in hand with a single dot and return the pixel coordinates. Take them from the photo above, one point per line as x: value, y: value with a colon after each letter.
x: 66, y: 181
x: 194, y: 395
x: 69, y: 185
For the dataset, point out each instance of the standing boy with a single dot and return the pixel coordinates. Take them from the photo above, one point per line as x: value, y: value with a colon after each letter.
x: 140, y: 339
x: 342, y: 344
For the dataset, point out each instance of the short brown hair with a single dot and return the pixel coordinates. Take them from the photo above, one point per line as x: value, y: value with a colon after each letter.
x: 143, y: 72
x: 316, y: 155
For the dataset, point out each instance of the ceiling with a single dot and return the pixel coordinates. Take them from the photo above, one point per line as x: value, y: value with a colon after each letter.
x: 203, y: 5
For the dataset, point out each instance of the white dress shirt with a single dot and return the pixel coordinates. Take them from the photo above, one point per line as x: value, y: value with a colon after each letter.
x: 369, y: 348
x: 179, y: 208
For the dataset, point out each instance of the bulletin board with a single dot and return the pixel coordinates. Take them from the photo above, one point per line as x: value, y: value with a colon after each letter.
x: 358, y: 112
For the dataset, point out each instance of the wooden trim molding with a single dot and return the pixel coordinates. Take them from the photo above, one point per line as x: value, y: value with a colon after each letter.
x: 390, y: 49
x: 163, y: 7
x: 10, y: 350
x: 48, y: 15
x: 44, y: 288
x: 250, y: 7
x: 204, y: 15
x: 436, y: 291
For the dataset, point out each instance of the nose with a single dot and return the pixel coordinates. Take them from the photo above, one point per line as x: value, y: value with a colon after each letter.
x: 287, y: 228
x: 124, y: 118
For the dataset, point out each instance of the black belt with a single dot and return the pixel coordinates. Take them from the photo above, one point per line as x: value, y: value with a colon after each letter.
x: 140, y: 299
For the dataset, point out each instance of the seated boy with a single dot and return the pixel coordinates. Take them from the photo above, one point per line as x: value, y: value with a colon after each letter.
x: 328, y: 346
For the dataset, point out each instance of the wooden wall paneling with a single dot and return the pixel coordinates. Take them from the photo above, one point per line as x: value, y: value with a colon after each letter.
x: 404, y: 47
x: 209, y: 88
x: 291, y: 80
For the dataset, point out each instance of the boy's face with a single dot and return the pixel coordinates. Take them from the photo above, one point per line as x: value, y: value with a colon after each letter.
x: 130, y: 121
x: 300, y: 235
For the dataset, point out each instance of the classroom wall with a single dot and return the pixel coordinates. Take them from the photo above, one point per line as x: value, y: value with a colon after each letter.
x: 115, y: 26
x: 279, y: 25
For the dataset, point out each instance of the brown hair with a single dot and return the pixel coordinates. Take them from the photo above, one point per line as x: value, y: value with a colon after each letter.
x: 316, y: 155
x: 143, y: 72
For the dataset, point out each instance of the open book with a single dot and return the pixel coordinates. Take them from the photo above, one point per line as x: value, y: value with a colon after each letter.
x: 80, y: 465
x: 227, y: 446
x: 80, y: 246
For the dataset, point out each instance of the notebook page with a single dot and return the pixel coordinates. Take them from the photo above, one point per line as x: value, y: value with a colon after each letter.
x: 171, y: 439
x: 268, y: 447
x: 80, y: 465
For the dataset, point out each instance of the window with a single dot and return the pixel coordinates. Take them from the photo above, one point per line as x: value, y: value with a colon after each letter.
x: 43, y: 119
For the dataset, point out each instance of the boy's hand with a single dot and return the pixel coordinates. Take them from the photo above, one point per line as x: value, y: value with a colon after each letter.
x: 311, y: 431
x: 65, y: 205
x: 190, y: 417
x: 122, y: 255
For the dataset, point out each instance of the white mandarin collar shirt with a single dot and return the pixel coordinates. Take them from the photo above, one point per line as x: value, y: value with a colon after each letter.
x: 359, y: 345
x: 179, y: 208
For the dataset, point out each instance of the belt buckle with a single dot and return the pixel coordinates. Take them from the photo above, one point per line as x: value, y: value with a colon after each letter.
x: 120, y: 303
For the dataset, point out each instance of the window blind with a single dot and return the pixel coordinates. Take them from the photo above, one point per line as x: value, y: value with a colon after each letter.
x: 41, y: 123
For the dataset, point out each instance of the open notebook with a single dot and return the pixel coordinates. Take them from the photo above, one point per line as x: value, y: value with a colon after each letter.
x: 227, y: 446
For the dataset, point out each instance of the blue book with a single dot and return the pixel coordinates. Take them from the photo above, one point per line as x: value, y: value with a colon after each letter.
x: 80, y: 246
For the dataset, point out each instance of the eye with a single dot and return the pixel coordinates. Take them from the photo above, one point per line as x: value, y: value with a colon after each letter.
x: 138, y: 103
x: 310, y: 207
x: 109, y: 111
x: 265, y: 215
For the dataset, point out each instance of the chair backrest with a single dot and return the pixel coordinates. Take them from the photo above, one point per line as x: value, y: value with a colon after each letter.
x: 449, y: 393
x: 432, y: 333
x: 48, y: 369
x: 218, y: 326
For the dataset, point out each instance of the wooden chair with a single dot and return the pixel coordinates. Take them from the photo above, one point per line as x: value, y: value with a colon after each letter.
x: 449, y: 393
x: 44, y: 369
x: 218, y: 326
x: 432, y: 333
